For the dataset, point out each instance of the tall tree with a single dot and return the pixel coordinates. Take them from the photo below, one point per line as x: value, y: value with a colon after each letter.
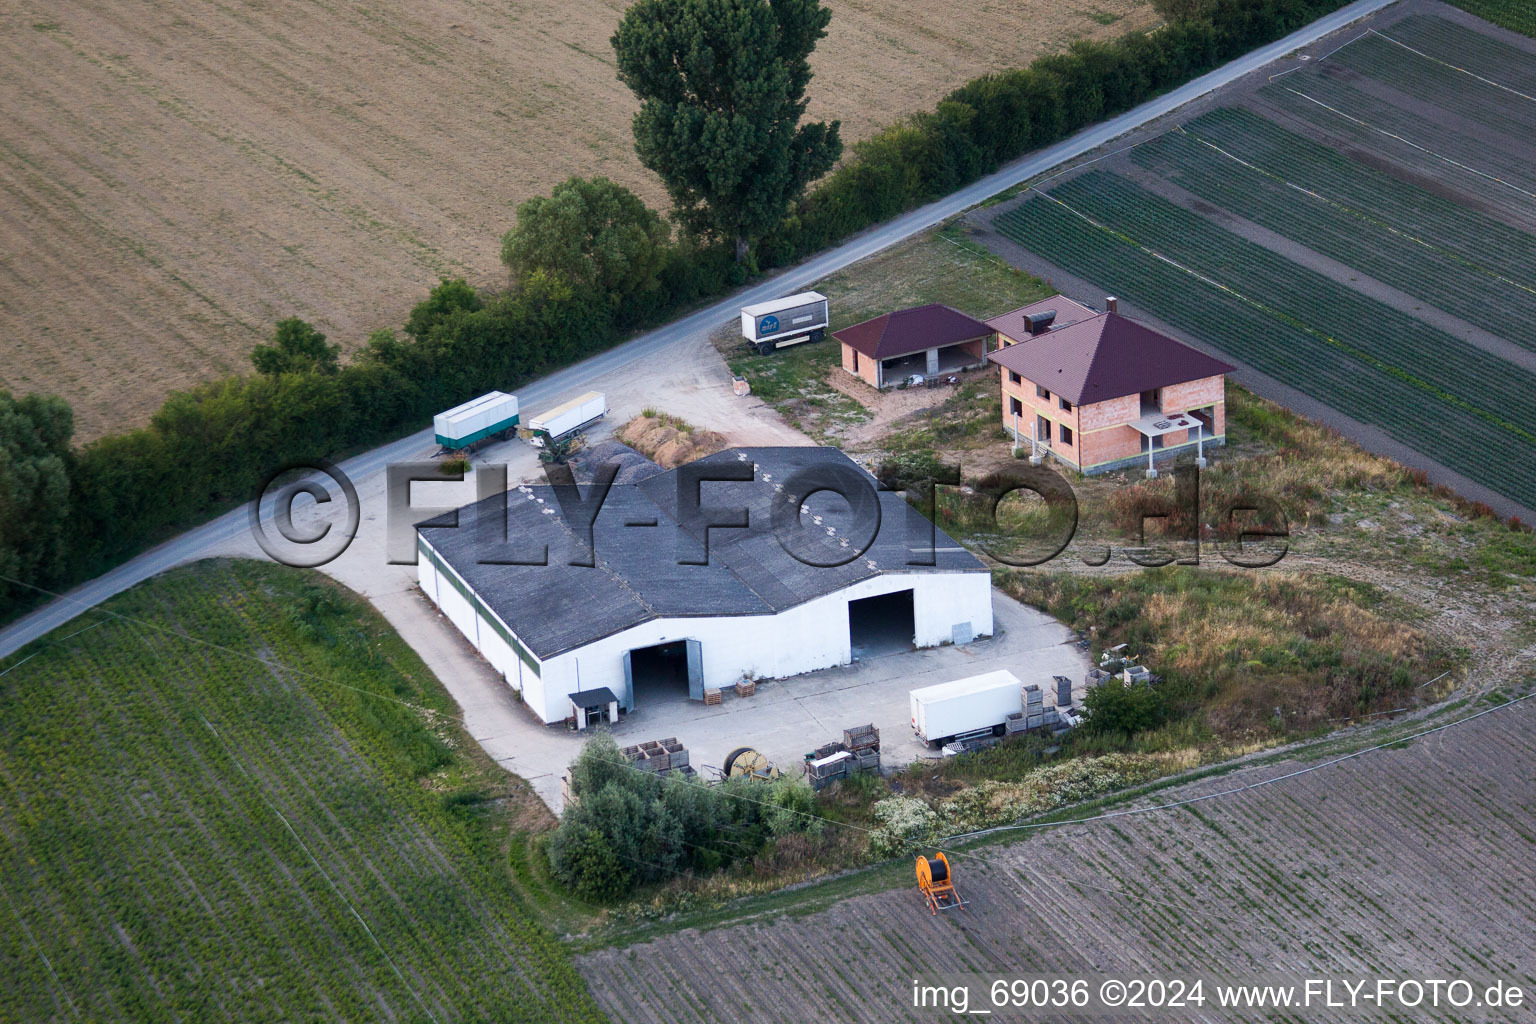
x: 722, y: 90
x: 594, y: 233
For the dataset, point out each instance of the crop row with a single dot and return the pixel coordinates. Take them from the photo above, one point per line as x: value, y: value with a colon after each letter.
x: 1457, y: 92
x: 1518, y: 15
x: 1491, y: 168
x: 1304, y: 335
x: 1465, y: 376
x: 216, y: 824
x: 1478, y: 52
x: 1467, y: 233
x: 1392, y: 253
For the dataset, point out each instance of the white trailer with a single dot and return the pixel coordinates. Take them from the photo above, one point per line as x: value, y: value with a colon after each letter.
x: 475, y: 420
x: 784, y: 322
x: 566, y: 419
x: 946, y: 710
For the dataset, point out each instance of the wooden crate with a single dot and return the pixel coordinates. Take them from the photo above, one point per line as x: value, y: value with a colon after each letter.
x: 861, y: 736
x: 712, y: 696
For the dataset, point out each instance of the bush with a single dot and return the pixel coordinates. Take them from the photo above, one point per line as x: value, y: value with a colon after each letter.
x: 628, y: 827
x: 595, y: 234
x: 1115, y: 707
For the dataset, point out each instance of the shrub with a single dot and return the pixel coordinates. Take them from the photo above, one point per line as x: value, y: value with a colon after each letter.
x: 655, y: 828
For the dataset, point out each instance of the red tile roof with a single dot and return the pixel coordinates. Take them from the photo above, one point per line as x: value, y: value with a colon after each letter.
x: 1104, y: 357
x: 912, y: 330
x: 1011, y: 325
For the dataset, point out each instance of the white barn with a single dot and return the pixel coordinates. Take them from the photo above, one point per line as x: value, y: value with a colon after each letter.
x: 644, y: 626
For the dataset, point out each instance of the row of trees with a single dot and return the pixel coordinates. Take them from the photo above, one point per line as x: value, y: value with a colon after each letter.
x: 589, y: 262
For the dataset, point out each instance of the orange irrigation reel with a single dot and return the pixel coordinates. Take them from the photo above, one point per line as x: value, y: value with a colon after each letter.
x: 937, y: 885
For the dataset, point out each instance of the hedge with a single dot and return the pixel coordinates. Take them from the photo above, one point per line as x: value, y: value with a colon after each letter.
x: 208, y: 448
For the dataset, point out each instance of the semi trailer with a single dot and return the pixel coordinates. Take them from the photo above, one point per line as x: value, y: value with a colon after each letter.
x: 785, y: 322
x: 477, y: 419
x: 965, y: 707
x: 567, y: 418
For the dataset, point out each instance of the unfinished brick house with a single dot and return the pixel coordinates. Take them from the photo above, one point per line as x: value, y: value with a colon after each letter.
x: 1099, y: 391
x: 929, y: 340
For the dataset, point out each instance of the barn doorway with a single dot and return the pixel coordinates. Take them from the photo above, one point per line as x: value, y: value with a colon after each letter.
x: 880, y: 625
x: 664, y: 673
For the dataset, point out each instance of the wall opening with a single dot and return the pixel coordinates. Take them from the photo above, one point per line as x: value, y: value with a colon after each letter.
x: 659, y: 673
x: 880, y: 625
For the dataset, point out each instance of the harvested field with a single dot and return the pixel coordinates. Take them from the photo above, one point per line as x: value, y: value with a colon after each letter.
x: 1360, y: 228
x: 174, y: 179
x: 1406, y: 862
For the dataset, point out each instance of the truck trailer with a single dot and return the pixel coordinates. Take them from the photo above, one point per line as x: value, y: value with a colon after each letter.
x: 566, y: 419
x: 965, y: 706
x: 475, y: 420
x: 784, y: 322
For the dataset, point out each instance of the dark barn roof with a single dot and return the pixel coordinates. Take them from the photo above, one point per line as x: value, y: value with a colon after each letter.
x: 912, y: 330
x: 558, y: 607
x: 1105, y: 356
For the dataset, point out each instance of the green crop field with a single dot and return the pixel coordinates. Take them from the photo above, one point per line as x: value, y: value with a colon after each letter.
x: 1371, y: 361
x: 276, y: 819
x: 1359, y: 120
x: 1518, y: 15
x: 1397, y: 233
x: 1470, y: 98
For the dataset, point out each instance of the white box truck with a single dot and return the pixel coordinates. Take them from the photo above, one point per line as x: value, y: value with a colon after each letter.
x: 567, y: 418
x: 475, y: 420
x: 784, y: 322
x: 976, y: 703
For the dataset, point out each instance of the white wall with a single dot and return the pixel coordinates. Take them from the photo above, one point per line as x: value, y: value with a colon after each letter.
x: 805, y: 638
x: 488, y: 642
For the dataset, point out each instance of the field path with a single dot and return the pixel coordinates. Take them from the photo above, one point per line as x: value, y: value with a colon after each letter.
x: 663, y: 343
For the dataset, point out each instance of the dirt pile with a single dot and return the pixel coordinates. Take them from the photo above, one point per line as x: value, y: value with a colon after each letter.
x: 669, y: 441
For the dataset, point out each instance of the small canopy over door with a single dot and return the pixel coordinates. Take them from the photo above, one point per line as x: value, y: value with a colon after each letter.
x: 695, y: 669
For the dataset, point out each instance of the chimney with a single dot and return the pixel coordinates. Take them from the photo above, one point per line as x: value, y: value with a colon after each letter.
x: 1111, y: 304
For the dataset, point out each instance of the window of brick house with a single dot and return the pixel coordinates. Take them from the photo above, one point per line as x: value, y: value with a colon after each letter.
x: 1040, y: 391
x: 1042, y: 428
x: 1066, y: 406
x: 1014, y: 378
x: 1015, y: 407
x: 1066, y: 435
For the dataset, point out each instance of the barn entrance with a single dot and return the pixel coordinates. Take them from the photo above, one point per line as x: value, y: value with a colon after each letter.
x: 881, y: 625
x: 667, y: 672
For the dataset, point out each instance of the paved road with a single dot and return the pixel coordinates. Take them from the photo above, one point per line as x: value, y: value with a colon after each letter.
x: 206, y: 539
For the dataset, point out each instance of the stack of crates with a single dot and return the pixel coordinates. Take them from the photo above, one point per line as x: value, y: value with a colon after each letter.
x: 1063, y: 692
x: 1034, y: 706
x: 677, y: 754
x: 863, y: 741
x: 657, y: 758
